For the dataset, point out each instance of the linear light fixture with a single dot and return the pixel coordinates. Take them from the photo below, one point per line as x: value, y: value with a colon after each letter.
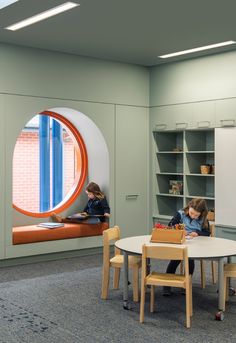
x: 5, y: 3
x: 198, y: 49
x: 41, y: 16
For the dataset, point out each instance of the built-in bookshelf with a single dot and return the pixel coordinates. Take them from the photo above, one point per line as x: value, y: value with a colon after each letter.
x: 177, y: 163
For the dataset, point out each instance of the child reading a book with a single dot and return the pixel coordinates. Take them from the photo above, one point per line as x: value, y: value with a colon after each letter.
x: 194, y: 217
x: 97, y: 208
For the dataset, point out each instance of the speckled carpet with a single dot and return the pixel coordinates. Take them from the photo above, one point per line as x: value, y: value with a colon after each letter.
x: 59, y: 301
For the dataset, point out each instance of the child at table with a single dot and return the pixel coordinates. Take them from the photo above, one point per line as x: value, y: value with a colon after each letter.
x: 194, y: 217
x: 97, y: 208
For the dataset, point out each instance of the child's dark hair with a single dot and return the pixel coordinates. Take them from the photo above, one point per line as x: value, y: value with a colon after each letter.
x: 92, y: 187
x: 200, y: 206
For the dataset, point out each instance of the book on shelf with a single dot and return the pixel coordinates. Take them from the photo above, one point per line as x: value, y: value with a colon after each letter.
x: 51, y: 225
x: 176, y: 187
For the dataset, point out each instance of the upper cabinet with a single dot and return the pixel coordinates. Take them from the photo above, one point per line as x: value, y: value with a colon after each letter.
x: 197, y: 115
x: 204, y: 114
x: 225, y: 113
x: 174, y: 117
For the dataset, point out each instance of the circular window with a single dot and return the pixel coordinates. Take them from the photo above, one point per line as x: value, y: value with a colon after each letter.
x: 49, y: 165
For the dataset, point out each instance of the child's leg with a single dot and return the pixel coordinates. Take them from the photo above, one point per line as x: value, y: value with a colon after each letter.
x: 191, y: 266
x: 59, y: 219
x: 171, y: 269
x: 172, y: 266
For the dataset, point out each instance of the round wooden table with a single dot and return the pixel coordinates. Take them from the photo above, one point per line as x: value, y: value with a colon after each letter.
x: 200, y: 247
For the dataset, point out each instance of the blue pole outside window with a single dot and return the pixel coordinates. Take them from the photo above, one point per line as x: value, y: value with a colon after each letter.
x: 57, y: 163
x: 44, y: 163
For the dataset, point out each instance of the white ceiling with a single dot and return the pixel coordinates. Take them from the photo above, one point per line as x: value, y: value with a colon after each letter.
x: 133, y: 31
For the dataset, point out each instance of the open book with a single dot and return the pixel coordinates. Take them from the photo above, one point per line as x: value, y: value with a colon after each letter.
x: 51, y: 225
x: 84, y: 216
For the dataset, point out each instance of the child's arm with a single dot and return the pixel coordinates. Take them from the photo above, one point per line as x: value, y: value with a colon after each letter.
x: 202, y: 232
x: 105, y: 207
x: 175, y: 220
x: 85, y: 210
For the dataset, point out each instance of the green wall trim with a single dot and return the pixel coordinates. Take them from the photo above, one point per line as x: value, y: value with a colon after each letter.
x: 49, y: 257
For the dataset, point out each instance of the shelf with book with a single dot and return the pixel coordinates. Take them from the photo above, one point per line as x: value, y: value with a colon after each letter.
x: 179, y: 174
x: 171, y: 184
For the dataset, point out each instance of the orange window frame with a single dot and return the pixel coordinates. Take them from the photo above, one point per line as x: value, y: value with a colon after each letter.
x: 80, y: 150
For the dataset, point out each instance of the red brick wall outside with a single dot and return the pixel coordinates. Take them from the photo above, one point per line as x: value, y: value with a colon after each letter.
x: 26, y: 170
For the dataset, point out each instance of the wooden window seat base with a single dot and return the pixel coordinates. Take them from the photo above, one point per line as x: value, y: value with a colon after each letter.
x: 34, y: 233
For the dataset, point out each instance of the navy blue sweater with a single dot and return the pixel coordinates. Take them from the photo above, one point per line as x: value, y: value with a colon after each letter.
x: 97, y: 206
x: 178, y: 220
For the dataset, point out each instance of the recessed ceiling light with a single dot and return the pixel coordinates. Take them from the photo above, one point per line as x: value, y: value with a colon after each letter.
x: 41, y: 16
x: 198, y: 49
x: 5, y: 3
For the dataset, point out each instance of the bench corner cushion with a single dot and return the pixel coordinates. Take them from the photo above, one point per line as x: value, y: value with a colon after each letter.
x: 34, y: 233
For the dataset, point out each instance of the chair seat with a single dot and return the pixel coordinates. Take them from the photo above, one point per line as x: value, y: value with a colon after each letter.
x: 230, y: 269
x: 155, y: 278
x: 118, y: 261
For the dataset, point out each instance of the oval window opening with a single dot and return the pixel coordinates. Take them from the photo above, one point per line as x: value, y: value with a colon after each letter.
x: 49, y: 165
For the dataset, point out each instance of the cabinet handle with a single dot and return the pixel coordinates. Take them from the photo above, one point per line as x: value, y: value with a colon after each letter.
x: 131, y: 196
x: 181, y: 125
x: 227, y: 122
x: 204, y: 123
x: 160, y: 127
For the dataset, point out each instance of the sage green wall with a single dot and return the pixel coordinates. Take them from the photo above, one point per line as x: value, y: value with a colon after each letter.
x: 33, y: 80
x: 200, y: 79
x: 35, y: 72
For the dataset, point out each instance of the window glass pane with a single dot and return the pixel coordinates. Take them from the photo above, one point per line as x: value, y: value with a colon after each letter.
x: 29, y: 164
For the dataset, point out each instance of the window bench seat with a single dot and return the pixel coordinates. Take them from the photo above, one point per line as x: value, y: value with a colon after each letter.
x: 34, y: 233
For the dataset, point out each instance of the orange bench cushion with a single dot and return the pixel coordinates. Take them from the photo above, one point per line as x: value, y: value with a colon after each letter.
x: 34, y: 233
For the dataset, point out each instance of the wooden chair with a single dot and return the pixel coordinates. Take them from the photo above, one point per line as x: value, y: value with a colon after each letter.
x: 202, y: 263
x: 229, y: 271
x: 113, y: 234
x: 160, y: 279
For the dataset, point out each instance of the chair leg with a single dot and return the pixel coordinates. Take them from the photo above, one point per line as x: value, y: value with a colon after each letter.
x: 142, y: 302
x: 105, y: 281
x: 135, y: 283
x: 191, y: 297
x: 152, y: 299
x: 188, y: 306
x: 116, y: 278
x: 181, y: 267
x: 203, y: 275
x: 213, y: 271
x: 227, y: 289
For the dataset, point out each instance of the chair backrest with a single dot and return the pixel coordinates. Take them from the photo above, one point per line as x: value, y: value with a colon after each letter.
x: 165, y: 253
x: 212, y: 230
x: 111, y: 234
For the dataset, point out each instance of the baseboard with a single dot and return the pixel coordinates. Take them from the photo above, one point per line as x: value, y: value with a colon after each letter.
x: 49, y: 257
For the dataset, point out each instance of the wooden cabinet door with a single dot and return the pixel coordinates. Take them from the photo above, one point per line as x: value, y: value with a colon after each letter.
x: 131, y: 170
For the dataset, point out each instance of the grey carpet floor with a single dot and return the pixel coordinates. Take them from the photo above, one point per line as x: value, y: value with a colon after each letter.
x: 59, y: 302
